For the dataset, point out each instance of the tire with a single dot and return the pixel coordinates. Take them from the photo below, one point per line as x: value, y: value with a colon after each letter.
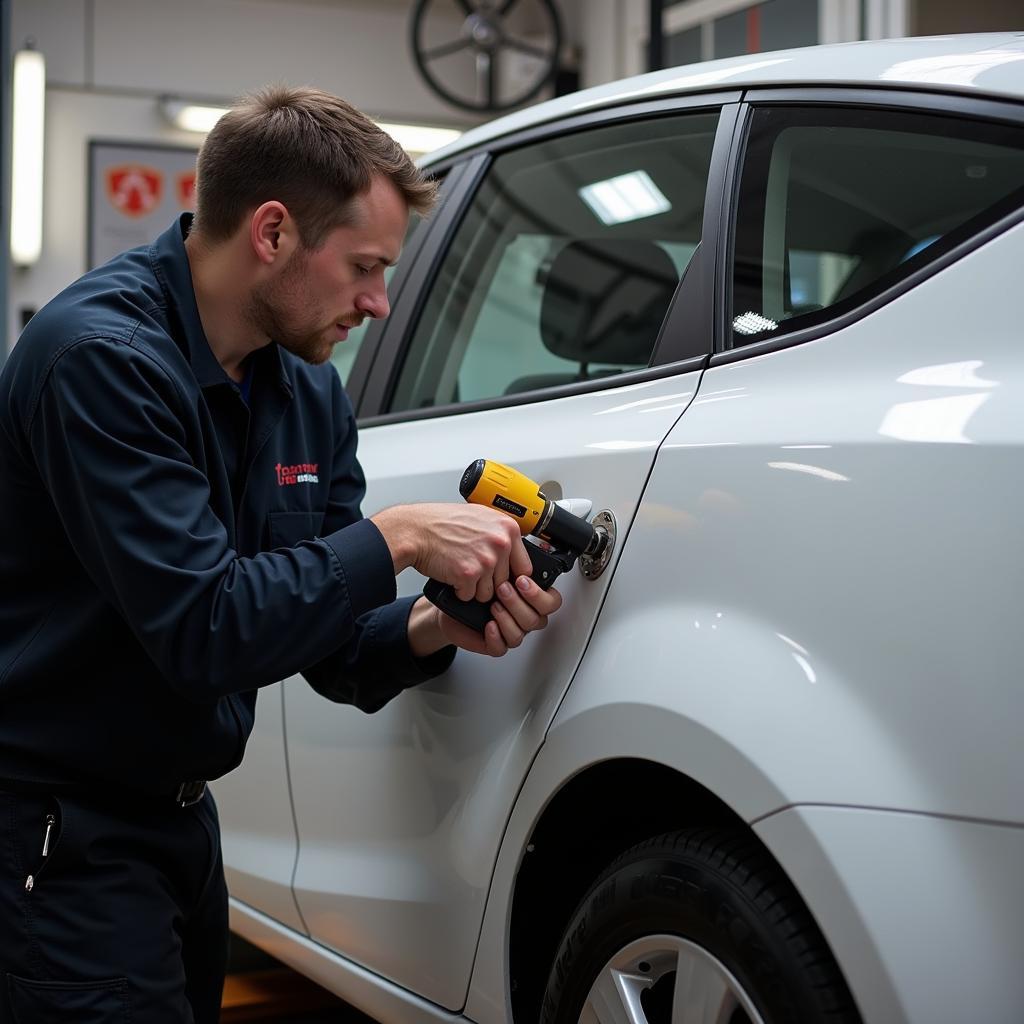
x: 702, y: 915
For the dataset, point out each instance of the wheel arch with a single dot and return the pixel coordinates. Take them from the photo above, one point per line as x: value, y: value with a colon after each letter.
x: 600, y: 812
x: 571, y: 812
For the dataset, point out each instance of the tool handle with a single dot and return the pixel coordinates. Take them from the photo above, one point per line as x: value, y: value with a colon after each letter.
x: 547, y: 566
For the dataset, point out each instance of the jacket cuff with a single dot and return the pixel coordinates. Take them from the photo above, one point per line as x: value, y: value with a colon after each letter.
x: 393, y: 631
x: 433, y: 664
x: 366, y: 566
x: 391, y: 634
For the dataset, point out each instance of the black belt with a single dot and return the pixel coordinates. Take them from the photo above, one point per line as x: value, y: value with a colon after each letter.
x: 187, y: 794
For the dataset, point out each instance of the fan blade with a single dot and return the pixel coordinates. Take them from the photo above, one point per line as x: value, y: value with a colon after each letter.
x: 447, y: 48
x: 527, y: 48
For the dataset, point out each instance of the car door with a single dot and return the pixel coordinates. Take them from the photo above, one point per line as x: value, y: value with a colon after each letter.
x: 534, y: 341
x: 847, y: 509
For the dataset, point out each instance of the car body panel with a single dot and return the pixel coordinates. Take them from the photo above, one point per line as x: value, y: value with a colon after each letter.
x: 400, y: 814
x: 257, y: 825
x: 824, y: 540
x: 731, y: 690
x: 362, y: 988
x: 926, y: 914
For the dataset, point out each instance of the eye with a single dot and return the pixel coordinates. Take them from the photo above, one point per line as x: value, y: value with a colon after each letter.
x: 363, y: 271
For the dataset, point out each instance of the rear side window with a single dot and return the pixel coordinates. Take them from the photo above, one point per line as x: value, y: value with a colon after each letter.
x: 565, y: 264
x: 837, y: 205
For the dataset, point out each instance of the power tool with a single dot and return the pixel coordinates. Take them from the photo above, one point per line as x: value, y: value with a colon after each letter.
x: 565, y: 536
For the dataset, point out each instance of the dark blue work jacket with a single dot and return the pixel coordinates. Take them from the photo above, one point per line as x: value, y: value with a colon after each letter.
x: 162, y: 554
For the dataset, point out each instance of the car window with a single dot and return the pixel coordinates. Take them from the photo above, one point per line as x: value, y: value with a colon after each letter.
x: 836, y: 205
x: 344, y: 355
x: 564, y: 266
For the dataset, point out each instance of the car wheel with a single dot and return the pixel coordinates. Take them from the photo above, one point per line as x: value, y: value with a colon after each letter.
x: 695, y: 927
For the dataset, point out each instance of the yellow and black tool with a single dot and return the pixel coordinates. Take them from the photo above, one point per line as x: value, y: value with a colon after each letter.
x: 565, y: 535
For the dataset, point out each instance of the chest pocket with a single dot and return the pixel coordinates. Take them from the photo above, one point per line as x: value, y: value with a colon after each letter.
x: 289, y: 528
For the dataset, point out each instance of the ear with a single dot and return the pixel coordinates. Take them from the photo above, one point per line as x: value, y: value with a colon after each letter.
x: 273, y: 234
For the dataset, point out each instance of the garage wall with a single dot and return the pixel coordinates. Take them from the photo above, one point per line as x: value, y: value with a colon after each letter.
x: 612, y: 36
x: 108, y: 61
x: 936, y: 17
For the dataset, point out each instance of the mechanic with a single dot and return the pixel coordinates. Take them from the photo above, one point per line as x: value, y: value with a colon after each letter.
x: 181, y: 525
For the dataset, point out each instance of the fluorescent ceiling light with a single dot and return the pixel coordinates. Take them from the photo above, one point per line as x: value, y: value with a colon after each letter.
x: 191, y: 117
x: 27, y: 157
x: 418, y: 139
x: 625, y: 198
x: 415, y: 139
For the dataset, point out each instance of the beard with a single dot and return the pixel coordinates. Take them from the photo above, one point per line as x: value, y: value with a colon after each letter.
x: 285, y: 312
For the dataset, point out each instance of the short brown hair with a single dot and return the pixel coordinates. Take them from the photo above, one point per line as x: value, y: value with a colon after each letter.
x: 309, y: 150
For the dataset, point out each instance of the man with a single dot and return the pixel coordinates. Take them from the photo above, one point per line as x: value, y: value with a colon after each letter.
x: 180, y: 525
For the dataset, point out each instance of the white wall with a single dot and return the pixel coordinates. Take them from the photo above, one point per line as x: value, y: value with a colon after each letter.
x: 109, y: 60
x: 612, y: 36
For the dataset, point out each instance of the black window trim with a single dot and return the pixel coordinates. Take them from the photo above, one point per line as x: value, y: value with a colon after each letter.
x: 540, y: 394
x: 897, y: 99
x: 626, y: 111
x: 362, y: 366
x: 391, y: 341
x: 664, y: 360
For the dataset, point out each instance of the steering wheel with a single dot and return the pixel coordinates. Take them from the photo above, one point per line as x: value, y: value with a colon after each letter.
x: 491, y: 31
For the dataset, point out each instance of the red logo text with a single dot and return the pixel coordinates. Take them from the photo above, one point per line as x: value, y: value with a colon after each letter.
x: 300, y: 473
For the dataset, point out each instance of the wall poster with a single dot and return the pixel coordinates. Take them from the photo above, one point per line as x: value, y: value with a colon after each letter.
x: 135, y: 191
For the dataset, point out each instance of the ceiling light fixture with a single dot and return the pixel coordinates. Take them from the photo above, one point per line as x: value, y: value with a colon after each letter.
x: 415, y: 139
x: 190, y: 117
x: 27, y: 156
x: 624, y: 198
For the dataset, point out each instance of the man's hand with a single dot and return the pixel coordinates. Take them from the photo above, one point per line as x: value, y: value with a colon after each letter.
x: 473, y: 548
x: 517, y: 611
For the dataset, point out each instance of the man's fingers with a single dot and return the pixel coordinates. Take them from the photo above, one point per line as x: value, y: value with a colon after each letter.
x: 519, y: 560
x: 499, y: 576
x: 511, y: 631
x: 543, y: 602
x: 524, y: 615
x: 466, y: 582
x: 493, y: 641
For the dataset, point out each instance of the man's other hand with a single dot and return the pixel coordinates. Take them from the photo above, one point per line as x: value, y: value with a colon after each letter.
x: 515, y: 612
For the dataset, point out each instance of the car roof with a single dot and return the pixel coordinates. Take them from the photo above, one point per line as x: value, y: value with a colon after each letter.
x: 990, y: 64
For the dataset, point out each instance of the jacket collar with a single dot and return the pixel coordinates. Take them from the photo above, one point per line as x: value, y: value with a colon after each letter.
x: 170, y: 264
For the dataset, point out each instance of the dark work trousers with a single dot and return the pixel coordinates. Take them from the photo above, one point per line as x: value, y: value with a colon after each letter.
x: 125, y: 918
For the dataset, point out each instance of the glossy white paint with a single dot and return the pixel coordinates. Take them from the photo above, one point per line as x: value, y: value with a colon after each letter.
x: 257, y: 827
x: 925, y: 914
x: 400, y: 813
x: 823, y: 547
x: 982, y: 64
x: 362, y: 988
x: 816, y: 602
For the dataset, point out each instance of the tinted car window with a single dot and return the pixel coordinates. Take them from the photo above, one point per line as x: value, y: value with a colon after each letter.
x: 565, y: 264
x: 837, y: 205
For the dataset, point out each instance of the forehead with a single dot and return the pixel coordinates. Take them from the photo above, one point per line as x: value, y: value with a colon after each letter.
x: 381, y: 218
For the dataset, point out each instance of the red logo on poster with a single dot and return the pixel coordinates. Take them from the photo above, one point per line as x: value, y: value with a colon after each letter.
x: 187, y: 190
x: 135, y: 190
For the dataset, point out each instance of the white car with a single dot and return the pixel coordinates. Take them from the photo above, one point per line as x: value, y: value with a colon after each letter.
x: 768, y: 312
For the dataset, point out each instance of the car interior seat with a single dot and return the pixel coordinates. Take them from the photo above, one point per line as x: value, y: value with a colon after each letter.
x: 604, y: 301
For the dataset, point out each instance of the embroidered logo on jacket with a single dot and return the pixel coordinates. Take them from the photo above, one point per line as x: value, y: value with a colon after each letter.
x: 301, y: 473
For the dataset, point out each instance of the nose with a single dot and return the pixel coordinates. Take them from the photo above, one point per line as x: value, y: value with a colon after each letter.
x: 373, y: 301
